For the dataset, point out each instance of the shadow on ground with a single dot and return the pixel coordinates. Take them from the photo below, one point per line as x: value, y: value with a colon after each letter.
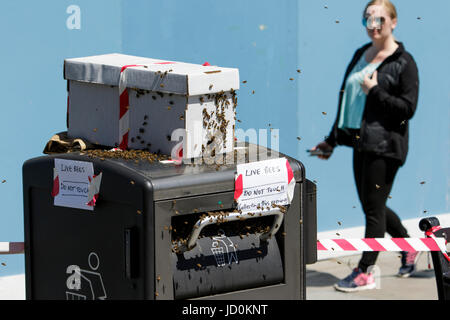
x: 320, y: 279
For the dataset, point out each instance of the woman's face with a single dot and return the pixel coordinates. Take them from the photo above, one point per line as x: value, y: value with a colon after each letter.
x: 379, y: 24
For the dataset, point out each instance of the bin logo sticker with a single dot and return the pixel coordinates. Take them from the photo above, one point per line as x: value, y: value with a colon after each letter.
x: 85, y: 284
x: 223, y: 250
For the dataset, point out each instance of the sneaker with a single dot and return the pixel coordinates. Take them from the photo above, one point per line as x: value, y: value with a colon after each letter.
x: 408, y: 264
x: 356, y: 281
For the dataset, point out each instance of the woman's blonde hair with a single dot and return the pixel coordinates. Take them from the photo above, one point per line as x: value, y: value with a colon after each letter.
x: 388, y: 5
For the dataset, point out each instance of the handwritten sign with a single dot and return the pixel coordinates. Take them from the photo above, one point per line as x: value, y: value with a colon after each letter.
x: 71, y: 183
x: 260, y: 184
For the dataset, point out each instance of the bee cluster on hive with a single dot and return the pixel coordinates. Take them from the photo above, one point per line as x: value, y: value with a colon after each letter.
x: 136, y: 155
x: 215, y: 122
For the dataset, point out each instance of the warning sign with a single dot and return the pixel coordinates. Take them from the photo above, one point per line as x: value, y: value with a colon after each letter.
x: 71, y: 183
x: 261, y: 184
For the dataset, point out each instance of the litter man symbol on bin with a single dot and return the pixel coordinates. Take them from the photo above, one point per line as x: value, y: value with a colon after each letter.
x: 85, y: 284
x: 222, y: 247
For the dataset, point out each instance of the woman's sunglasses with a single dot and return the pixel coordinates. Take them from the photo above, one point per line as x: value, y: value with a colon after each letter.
x: 373, y: 22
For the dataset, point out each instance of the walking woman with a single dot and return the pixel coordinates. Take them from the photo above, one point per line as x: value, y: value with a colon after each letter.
x: 377, y: 99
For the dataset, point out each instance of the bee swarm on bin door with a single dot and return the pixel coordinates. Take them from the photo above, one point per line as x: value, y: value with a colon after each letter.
x: 242, y: 227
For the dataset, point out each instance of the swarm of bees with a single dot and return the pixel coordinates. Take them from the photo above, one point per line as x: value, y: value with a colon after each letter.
x: 183, y: 225
x: 127, y: 155
x: 215, y: 121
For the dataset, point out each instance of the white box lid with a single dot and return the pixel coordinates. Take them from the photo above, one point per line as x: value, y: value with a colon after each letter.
x: 175, y: 77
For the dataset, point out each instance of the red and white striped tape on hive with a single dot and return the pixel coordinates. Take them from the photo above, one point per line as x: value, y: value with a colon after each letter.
x: 124, y: 105
x: 382, y: 244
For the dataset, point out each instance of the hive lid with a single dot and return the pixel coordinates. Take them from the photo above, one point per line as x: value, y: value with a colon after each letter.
x: 155, y: 75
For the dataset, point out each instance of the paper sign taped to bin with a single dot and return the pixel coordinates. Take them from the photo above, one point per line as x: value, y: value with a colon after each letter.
x: 261, y: 184
x: 72, y: 184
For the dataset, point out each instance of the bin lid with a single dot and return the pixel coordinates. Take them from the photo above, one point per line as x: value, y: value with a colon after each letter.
x: 171, y: 181
x: 152, y: 74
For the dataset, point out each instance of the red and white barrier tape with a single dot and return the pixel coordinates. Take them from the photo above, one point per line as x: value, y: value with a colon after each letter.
x: 382, y: 244
x: 12, y: 247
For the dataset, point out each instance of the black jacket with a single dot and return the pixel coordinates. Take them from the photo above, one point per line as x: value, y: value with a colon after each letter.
x: 389, y: 106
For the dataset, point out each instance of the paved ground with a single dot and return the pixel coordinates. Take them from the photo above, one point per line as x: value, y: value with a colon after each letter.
x: 321, y: 276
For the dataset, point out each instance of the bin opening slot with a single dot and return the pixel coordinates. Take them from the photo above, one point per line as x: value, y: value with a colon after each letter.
x: 182, y: 226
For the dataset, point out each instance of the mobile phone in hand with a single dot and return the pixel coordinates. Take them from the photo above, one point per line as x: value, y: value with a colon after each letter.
x: 318, y: 152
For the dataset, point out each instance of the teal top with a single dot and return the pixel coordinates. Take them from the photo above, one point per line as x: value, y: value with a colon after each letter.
x: 354, y: 98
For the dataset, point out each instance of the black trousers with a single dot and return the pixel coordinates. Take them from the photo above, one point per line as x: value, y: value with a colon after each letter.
x: 374, y: 177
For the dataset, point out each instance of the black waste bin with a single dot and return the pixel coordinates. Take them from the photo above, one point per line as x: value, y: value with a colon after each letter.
x: 441, y: 264
x: 129, y: 246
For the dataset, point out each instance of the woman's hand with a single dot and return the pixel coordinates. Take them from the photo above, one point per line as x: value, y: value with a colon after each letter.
x: 369, y: 82
x: 325, y: 147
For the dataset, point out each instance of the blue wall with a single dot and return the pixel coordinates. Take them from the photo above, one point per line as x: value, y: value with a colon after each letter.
x: 268, y: 41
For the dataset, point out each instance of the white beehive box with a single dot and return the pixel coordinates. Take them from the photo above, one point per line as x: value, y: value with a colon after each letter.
x: 163, y: 96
